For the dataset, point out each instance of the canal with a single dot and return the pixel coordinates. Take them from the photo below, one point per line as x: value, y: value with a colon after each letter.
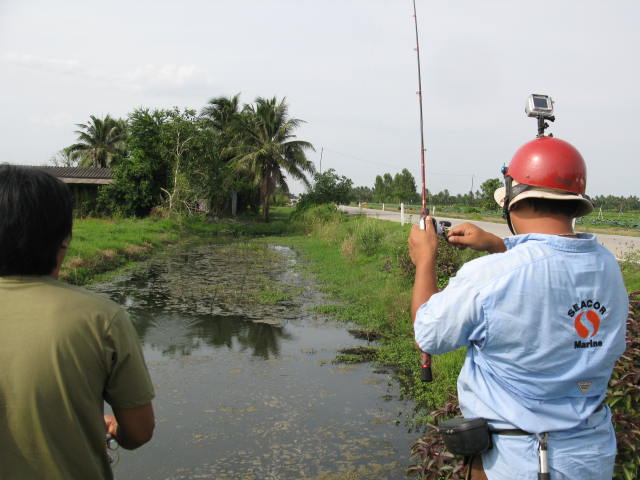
x: 246, y: 386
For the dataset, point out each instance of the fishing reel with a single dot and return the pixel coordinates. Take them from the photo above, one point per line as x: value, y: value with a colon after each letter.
x: 112, y: 445
x: 441, y: 226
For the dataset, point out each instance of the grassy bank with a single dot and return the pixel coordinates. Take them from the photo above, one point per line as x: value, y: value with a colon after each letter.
x: 99, y: 245
x: 103, y: 245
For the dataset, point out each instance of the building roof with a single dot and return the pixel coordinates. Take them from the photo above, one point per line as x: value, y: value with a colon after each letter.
x: 85, y: 175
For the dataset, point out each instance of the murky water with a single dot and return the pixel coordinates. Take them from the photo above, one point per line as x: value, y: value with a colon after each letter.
x: 245, y: 387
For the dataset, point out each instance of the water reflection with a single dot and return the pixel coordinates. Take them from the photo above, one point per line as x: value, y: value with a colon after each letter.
x: 175, y: 334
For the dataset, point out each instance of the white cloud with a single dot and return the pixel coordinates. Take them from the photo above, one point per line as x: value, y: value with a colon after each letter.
x: 168, y: 76
x: 60, y: 65
x: 57, y: 120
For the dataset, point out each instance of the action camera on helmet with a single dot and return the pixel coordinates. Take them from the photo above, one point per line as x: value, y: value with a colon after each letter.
x: 540, y: 107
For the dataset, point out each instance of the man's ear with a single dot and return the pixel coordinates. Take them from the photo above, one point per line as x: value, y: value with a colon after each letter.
x: 62, y: 252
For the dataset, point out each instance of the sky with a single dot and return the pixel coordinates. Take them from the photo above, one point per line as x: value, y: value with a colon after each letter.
x: 347, y: 68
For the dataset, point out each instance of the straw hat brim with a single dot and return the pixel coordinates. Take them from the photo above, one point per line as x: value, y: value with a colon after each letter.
x: 585, y: 205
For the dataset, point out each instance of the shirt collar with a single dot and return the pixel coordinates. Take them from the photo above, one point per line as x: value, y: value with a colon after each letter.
x: 584, y: 243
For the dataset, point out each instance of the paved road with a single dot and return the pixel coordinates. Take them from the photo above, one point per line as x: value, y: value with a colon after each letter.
x: 618, y: 244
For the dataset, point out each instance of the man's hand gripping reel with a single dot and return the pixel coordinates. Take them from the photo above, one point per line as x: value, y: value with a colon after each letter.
x: 441, y: 228
x: 425, y: 359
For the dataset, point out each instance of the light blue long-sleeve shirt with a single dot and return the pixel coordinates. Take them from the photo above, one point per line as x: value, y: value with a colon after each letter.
x: 543, y: 324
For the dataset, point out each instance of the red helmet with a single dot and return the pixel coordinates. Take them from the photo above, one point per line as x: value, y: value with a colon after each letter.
x: 546, y: 167
x: 549, y: 162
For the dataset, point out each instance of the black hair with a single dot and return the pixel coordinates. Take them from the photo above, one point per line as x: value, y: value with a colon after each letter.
x: 36, y: 216
x: 568, y: 208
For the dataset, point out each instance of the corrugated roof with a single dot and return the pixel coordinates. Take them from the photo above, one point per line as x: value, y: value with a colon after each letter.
x: 79, y: 172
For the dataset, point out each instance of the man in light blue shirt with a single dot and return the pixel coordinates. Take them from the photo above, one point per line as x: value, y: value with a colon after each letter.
x: 543, y: 319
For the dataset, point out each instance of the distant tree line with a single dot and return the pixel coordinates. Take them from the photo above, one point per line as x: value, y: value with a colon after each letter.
x: 401, y: 188
x: 180, y: 160
x: 618, y: 204
x: 387, y: 190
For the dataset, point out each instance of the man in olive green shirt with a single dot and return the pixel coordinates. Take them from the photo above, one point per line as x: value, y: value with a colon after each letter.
x: 63, y: 350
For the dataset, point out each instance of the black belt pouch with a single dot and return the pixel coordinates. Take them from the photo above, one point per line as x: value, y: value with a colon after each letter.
x: 465, y: 436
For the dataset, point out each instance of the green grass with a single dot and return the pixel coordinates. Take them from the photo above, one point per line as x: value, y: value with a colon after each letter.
x: 630, y: 266
x: 100, y: 245
x: 611, y: 221
x: 103, y: 245
x: 91, y: 236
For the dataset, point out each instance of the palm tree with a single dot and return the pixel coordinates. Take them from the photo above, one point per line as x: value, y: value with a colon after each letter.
x: 268, y: 148
x: 222, y: 112
x: 223, y: 116
x: 100, y: 142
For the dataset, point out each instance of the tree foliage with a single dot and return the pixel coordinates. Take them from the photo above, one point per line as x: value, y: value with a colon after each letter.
x: 361, y: 194
x: 404, y: 188
x: 140, y: 176
x: 101, y: 142
x: 396, y: 189
x: 618, y: 204
x: 182, y: 161
x: 486, y: 199
x: 64, y: 158
x: 328, y: 187
x: 268, y: 149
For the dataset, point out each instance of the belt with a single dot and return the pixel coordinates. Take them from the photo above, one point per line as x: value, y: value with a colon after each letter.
x: 517, y: 431
x: 509, y: 431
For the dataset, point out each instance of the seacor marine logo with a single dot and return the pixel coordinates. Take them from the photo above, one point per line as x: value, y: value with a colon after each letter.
x: 587, y: 322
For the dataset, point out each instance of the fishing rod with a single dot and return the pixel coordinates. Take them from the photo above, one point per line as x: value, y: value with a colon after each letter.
x: 424, y: 212
x: 425, y: 359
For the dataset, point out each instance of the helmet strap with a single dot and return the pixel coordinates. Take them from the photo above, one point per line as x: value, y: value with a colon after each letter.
x: 511, y: 191
x: 508, y: 184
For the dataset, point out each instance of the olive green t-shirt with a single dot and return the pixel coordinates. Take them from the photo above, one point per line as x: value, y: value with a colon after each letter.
x: 63, y: 352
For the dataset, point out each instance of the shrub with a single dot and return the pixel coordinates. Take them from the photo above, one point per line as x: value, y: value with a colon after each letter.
x: 312, y: 216
x: 624, y: 398
x: 434, y: 461
x: 449, y: 260
x: 369, y: 234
